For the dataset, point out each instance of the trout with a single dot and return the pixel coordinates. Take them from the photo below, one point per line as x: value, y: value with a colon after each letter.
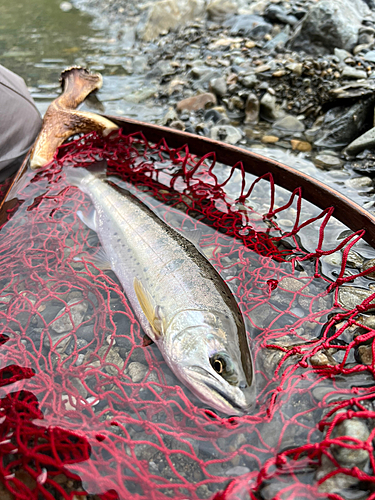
x: 180, y: 300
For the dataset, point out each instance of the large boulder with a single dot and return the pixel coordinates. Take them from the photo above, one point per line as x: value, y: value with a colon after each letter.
x: 166, y: 15
x: 330, y: 24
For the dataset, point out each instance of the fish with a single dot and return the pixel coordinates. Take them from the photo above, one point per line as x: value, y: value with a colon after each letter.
x: 180, y: 300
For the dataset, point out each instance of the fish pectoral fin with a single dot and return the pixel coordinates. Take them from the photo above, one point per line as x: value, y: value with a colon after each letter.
x: 89, y: 219
x: 100, y: 260
x: 153, y: 313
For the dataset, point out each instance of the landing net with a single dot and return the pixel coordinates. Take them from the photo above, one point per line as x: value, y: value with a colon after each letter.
x: 88, y: 411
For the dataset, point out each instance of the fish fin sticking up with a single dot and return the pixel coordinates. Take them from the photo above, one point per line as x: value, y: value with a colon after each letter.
x: 153, y: 313
x: 100, y: 260
x: 89, y: 218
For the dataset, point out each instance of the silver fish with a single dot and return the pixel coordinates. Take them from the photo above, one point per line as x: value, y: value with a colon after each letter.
x: 182, y: 303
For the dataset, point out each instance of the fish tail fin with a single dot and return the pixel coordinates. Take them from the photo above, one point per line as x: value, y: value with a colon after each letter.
x: 75, y: 176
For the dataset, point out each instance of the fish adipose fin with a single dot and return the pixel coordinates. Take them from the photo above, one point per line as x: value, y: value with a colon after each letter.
x: 153, y: 313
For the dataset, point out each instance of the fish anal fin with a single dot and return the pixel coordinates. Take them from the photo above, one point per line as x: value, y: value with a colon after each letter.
x: 89, y: 218
x: 152, y: 312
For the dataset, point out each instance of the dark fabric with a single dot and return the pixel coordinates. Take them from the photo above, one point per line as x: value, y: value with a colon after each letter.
x: 20, y: 120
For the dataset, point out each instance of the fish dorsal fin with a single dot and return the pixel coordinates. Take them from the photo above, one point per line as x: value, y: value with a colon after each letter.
x: 153, y: 313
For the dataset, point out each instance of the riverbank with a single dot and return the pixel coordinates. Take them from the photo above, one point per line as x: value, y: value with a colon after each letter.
x: 241, y: 73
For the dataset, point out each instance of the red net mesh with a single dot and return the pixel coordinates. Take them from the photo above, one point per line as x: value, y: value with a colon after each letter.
x: 88, y: 411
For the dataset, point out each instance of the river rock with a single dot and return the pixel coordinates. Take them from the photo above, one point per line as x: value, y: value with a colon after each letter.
x: 365, y: 354
x: 350, y: 72
x: 328, y: 162
x: 218, y: 10
x: 365, y: 141
x: 278, y: 14
x: 252, y: 109
x: 226, y: 133
x: 77, y: 313
x: 367, y: 266
x: 268, y: 107
x: 194, y: 103
x: 342, y: 124
x: 330, y: 24
x: 248, y: 25
x: 218, y: 86
x: 369, y: 56
x: 249, y: 81
x: 165, y: 15
x: 357, y: 429
x: 289, y: 123
x: 137, y: 371
x: 349, y: 297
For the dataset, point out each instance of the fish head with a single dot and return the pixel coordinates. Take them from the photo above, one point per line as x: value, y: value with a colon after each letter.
x: 212, y: 358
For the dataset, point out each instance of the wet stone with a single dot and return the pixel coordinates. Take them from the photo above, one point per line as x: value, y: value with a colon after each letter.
x: 270, y: 139
x: 226, y: 133
x: 289, y: 123
x: 365, y: 354
x: 219, y: 10
x: 354, y: 260
x: 328, y: 162
x: 218, y: 86
x: 337, y: 483
x: 369, y: 56
x: 357, y: 429
x: 137, y: 371
x: 197, y: 102
x: 268, y: 106
x: 249, y: 81
x: 349, y: 297
x: 350, y: 72
x: 368, y: 265
x: 239, y: 470
x: 302, y: 146
x: 252, y: 109
x: 77, y: 312
x: 365, y: 141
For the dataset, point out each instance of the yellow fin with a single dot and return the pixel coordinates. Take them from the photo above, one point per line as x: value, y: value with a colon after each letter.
x: 151, y: 312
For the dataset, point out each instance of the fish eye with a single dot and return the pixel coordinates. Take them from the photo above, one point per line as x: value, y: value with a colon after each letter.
x: 218, y: 365
x: 223, y: 365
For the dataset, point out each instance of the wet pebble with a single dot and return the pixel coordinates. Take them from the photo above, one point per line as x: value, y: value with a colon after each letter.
x: 226, y: 133
x: 289, y: 123
x: 357, y: 429
x: 350, y: 72
x: 365, y: 354
x: 252, y: 109
x: 328, y: 162
x: 137, y: 371
x: 349, y: 297
x: 77, y: 312
x: 195, y: 103
x: 218, y: 86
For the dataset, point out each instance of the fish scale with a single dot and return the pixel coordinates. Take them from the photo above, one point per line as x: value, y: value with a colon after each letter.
x: 179, y: 298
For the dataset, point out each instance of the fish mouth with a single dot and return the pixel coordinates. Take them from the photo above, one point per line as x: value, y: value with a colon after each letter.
x: 237, y: 408
x: 227, y: 398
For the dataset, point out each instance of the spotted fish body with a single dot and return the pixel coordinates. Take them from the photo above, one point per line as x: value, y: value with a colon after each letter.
x: 182, y: 303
